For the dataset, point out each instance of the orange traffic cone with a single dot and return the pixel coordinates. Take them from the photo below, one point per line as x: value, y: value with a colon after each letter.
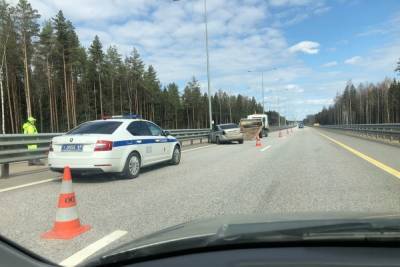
x: 67, y: 224
x: 280, y: 133
x: 258, y: 141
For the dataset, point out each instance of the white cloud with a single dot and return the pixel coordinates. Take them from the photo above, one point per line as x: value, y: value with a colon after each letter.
x: 307, y: 47
x: 321, y: 10
x: 322, y: 101
x: 330, y: 64
x: 93, y: 11
x: 391, y: 26
x: 353, y: 60
x: 243, y: 35
x: 290, y: 12
x: 294, y: 88
x: 289, y: 2
x: 384, y: 58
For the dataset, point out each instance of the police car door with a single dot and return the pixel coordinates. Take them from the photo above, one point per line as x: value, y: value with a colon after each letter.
x: 160, y: 145
x: 144, y: 140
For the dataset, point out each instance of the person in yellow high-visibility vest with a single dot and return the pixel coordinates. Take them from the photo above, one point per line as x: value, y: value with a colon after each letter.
x: 30, y: 128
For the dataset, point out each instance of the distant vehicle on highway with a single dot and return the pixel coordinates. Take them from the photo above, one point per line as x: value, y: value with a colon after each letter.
x: 301, y: 125
x: 121, y: 144
x: 265, y: 124
x: 223, y: 133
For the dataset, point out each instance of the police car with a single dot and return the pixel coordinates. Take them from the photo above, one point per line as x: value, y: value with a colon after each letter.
x: 121, y: 144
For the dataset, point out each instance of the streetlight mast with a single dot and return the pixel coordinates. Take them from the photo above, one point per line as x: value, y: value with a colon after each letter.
x: 262, y: 88
x: 208, y: 65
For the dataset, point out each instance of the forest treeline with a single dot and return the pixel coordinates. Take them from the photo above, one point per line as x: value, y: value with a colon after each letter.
x: 47, y: 73
x: 365, y: 104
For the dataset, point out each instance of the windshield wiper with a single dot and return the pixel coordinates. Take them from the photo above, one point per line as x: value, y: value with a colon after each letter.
x: 151, y: 249
x: 262, y: 233
x: 234, y: 234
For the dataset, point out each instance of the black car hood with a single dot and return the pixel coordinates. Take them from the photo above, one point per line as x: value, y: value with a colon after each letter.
x: 222, y: 226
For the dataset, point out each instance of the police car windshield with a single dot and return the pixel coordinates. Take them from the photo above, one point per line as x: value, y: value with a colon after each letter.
x: 228, y: 126
x: 96, y: 127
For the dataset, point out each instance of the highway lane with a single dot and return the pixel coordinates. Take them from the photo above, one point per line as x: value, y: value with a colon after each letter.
x: 384, y: 152
x: 301, y: 172
x: 23, y: 175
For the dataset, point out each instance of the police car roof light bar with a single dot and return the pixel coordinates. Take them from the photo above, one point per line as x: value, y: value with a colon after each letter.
x: 127, y: 116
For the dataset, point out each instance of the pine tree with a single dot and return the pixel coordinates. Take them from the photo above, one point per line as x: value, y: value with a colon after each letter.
x: 27, y: 28
x: 153, y: 89
x: 4, y: 37
x: 134, y: 77
x: 44, y: 69
x: 174, y: 103
x: 113, y: 63
x: 96, y: 58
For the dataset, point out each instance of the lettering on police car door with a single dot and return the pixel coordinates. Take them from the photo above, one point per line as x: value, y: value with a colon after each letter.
x: 148, y: 149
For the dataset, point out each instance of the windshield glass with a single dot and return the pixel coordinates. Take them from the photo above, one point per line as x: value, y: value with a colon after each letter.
x: 119, y: 119
x: 97, y: 127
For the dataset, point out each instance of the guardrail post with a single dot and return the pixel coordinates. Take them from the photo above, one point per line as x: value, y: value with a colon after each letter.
x: 4, y: 170
x: 191, y: 141
x: 201, y: 140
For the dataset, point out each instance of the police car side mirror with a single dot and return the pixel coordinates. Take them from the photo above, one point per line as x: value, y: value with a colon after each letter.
x: 166, y: 133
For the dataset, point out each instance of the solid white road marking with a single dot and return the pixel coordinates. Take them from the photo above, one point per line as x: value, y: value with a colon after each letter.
x: 83, y: 254
x: 265, y: 148
x: 28, y: 184
x: 196, y: 148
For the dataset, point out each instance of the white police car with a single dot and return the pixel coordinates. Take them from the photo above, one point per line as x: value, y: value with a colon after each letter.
x: 121, y: 144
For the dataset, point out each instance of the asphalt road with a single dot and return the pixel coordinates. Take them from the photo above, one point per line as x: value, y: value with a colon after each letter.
x: 300, y: 172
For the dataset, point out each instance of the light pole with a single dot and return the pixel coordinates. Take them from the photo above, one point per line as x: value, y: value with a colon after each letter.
x: 279, y: 114
x: 262, y: 86
x: 208, y: 63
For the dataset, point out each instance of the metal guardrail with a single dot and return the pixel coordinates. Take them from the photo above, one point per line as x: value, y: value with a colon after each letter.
x: 277, y: 128
x: 190, y: 134
x: 13, y: 147
x: 389, y: 131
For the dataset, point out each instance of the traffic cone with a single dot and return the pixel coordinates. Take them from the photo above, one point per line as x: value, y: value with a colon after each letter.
x: 258, y: 141
x: 280, y: 133
x: 67, y: 224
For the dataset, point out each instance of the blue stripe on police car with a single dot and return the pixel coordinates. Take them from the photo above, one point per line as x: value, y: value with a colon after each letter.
x: 142, y: 141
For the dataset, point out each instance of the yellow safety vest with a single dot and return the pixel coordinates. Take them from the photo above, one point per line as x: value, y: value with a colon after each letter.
x: 29, y: 128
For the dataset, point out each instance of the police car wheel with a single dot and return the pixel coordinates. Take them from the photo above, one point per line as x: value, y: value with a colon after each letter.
x: 132, y: 166
x: 77, y: 174
x: 176, y: 156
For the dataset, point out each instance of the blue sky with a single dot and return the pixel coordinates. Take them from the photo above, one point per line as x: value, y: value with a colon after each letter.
x: 308, y: 49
